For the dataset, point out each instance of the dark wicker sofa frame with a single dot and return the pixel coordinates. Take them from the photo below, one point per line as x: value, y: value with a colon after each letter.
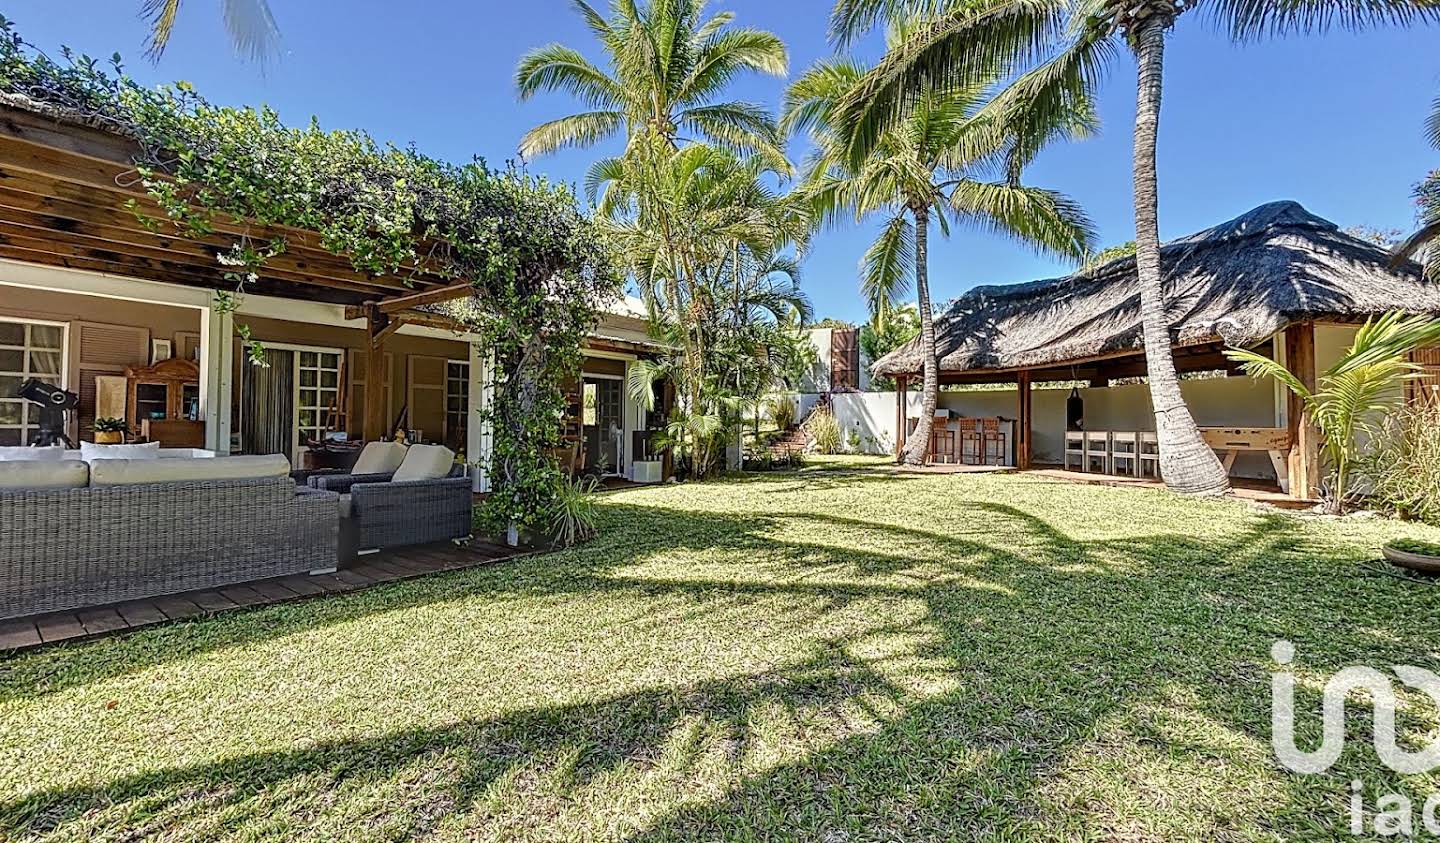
x: 383, y: 513
x: 71, y: 548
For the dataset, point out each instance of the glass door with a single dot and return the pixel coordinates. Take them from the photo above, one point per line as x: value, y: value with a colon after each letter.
x: 317, y: 375
x: 603, y: 426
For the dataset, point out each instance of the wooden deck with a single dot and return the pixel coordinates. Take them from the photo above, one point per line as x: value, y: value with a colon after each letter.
x: 1250, y: 490
x: 367, y: 571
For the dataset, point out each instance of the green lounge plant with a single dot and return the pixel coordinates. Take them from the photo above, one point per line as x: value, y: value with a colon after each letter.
x: 110, y: 424
x: 572, y: 513
x: 1353, y: 395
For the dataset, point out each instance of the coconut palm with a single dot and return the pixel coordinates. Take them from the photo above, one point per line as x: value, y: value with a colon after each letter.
x: 1068, y: 44
x: 1356, y: 393
x: 668, y: 67
x: 1426, y: 241
x: 249, y: 23
x: 943, y: 161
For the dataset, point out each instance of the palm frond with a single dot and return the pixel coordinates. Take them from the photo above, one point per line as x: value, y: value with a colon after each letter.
x: 1259, y: 366
x: 1045, y: 220
x: 888, y: 265
x: 584, y: 129
x: 727, y: 53
x: 555, y: 67
x: 1250, y: 20
x: 252, y: 29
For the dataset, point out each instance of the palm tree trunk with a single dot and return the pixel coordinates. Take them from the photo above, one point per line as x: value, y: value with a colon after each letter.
x: 919, y: 444
x: 1187, y: 464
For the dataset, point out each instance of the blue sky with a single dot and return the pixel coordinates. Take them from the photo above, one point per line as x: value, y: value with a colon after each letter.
x: 1333, y: 122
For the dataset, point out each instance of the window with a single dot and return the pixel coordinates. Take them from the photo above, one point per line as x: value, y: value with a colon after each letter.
x: 27, y: 350
x: 457, y: 403
x: 318, y: 391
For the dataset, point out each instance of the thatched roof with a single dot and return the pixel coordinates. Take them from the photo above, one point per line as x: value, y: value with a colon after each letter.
x: 1237, y: 283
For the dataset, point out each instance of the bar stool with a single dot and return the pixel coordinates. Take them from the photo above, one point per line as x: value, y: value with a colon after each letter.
x: 942, y: 438
x: 993, y: 441
x: 1149, y: 455
x: 1125, y: 453
x: 969, y: 444
x: 1074, y: 449
x: 1097, y: 451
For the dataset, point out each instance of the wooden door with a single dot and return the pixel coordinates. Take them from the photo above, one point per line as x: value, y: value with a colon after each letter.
x: 99, y: 350
x: 426, y: 396
x: 844, y: 359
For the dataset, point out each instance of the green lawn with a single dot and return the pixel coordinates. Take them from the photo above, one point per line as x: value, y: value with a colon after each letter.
x: 838, y: 655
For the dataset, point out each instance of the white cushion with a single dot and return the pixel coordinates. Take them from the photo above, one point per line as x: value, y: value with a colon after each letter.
x: 89, y: 451
x: 32, y: 454
x: 44, y: 474
x: 129, y: 472
x: 425, y: 462
x: 380, y: 458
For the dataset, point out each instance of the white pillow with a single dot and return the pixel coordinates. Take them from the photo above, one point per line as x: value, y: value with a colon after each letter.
x: 379, y: 458
x: 89, y: 451
x: 425, y: 462
x: 32, y: 454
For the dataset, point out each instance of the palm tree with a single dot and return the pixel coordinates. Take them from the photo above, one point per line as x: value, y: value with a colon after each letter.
x: 668, y: 64
x: 1426, y: 241
x: 932, y: 164
x: 249, y: 23
x: 1069, y: 44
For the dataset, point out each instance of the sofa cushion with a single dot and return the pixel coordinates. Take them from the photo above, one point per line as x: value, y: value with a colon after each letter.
x: 130, y: 472
x: 44, y: 474
x: 90, y: 452
x: 380, y: 458
x: 425, y: 462
x: 32, y: 454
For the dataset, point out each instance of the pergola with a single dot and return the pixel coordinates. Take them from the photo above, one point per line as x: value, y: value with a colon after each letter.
x: 66, y: 192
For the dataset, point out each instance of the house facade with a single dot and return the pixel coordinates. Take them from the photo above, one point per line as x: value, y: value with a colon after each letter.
x: 93, y: 301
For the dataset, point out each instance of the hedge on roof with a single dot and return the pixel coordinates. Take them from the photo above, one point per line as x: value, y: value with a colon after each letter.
x: 540, y: 269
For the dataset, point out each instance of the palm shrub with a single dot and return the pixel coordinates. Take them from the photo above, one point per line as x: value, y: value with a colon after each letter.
x: 824, y: 430
x: 1354, y: 396
x: 1403, y: 463
x: 1424, y: 244
x: 781, y: 411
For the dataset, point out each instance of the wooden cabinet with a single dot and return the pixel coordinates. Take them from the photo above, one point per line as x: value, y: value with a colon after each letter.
x: 163, y: 403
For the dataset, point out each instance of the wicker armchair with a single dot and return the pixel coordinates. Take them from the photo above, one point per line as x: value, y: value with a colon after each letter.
x: 70, y: 548
x: 376, y: 512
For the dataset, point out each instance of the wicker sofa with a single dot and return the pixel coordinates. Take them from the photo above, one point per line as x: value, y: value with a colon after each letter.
x: 75, y: 535
x: 383, y: 509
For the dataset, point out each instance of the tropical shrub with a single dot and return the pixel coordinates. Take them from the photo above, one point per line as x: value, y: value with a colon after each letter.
x: 572, y: 511
x: 824, y: 430
x: 780, y: 409
x: 1403, y: 465
x: 1352, y: 397
x: 110, y: 424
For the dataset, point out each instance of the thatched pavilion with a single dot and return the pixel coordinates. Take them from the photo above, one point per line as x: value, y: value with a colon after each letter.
x: 1264, y: 280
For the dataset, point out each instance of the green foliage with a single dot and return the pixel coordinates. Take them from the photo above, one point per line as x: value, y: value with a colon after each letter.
x: 573, y: 513
x: 886, y: 332
x: 824, y: 430
x: 1403, y: 465
x: 110, y: 424
x: 780, y: 409
x: 539, y: 266
x: 1353, y: 395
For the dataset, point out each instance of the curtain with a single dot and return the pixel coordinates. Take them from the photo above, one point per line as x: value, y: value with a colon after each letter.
x: 267, y: 404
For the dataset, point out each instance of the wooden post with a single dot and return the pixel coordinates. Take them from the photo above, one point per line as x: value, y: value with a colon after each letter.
x: 1023, y: 425
x: 377, y: 329
x: 1305, y: 465
x: 900, y: 384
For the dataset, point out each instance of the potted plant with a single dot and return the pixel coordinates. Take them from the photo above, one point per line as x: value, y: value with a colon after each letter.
x: 110, y: 430
x: 1415, y: 555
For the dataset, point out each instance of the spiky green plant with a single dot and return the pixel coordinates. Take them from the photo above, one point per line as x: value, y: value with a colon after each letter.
x: 1354, y: 395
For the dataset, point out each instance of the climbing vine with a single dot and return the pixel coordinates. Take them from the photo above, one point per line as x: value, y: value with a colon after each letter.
x: 540, y: 269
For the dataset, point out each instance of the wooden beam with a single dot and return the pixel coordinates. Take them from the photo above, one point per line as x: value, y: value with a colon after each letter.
x: 1024, y: 424
x: 1305, y: 464
x: 374, y: 418
x: 435, y: 296
x: 900, y: 420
